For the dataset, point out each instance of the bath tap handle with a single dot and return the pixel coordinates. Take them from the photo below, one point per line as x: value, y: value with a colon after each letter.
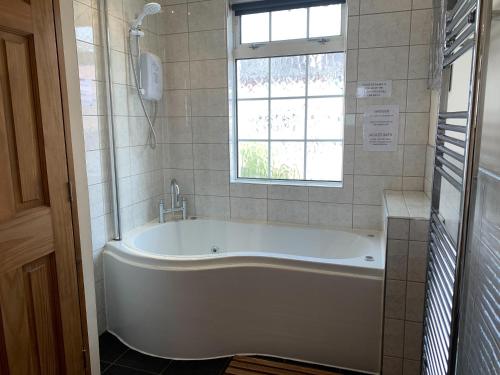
x: 161, y: 213
x: 184, y: 208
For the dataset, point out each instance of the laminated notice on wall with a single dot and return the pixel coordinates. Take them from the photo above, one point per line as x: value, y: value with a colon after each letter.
x: 374, y: 89
x: 380, y: 128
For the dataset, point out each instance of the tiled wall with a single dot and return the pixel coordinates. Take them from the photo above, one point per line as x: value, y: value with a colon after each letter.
x: 407, y: 233
x: 91, y: 70
x: 386, y: 40
x: 139, y: 168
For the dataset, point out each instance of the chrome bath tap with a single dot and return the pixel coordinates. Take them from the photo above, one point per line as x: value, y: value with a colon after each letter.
x: 179, y: 203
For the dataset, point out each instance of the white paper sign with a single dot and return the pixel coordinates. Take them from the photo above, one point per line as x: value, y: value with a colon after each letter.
x: 374, y: 89
x: 380, y: 128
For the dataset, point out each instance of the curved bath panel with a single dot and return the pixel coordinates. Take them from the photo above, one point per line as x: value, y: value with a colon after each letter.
x: 321, y: 310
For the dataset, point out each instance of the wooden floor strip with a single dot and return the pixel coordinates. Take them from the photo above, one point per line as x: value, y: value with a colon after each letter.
x: 257, y: 366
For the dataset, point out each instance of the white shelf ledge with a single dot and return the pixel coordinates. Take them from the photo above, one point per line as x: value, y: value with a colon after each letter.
x: 407, y: 204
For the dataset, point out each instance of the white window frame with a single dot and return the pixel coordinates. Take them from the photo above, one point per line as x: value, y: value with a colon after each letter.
x: 293, y: 47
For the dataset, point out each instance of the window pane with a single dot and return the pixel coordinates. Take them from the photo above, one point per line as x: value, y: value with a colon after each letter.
x: 325, y: 21
x: 288, y: 76
x: 272, y: 117
x: 253, y: 119
x: 325, y: 118
x: 253, y: 159
x: 324, y: 161
x: 253, y: 78
x: 289, y: 24
x: 255, y: 28
x: 287, y: 160
x: 287, y: 118
x: 326, y: 74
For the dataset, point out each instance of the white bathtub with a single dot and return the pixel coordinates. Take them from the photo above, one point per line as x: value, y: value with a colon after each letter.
x: 201, y: 289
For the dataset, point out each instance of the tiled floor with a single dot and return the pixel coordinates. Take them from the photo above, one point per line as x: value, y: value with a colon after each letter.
x: 117, y: 359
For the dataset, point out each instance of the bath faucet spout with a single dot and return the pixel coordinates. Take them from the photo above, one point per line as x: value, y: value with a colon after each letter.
x: 178, y: 203
x: 175, y: 195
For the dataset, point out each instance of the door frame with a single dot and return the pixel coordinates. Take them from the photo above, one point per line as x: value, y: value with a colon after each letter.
x: 75, y: 153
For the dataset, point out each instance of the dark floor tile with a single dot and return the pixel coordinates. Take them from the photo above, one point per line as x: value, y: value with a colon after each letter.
x: 142, y: 362
x: 120, y: 370
x: 104, y: 366
x: 110, y: 347
x: 209, y: 367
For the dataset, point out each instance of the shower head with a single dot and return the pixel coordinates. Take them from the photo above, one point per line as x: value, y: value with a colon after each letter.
x: 148, y: 10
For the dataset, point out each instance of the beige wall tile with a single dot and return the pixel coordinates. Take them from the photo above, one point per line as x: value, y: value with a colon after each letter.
x: 330, y: 215
x: 397, y: 259
x: 421, y: 26
x: 384, y: 163
x: 418, y: 96
x: 209, y: 102
x: 176, y: 75
x: 208, y: 74
x: 413, y: 340
x: 207, y: 45
x: 342, y: 194
x: 178, y: 130
x: 395, y: 299
x: 414, y: 163
x: 178, y: 103
x: 384, y: 6
x: 249, y: 209
x: 211, y: 156
x: 174, y: 20
x: 416, y: 129
x: 282, y: 211
x: 353, y: 32
x: 393, y: 337
x: 353, y: 7
x: 207, y: 15
x: 419, y: 230
x: 415, y: 296
x: 383, y: 63
x: 211, y: 183
x: 213, y: 207
x: 419, y: 62
x: 175, y: 47
x: 248, y: 190
x: 178, y: 156
x: 392, y: 366
x: 413, y: 183
x: 367, y: 217
x: 210, y: 129
x: 116, y: 34
x: 369, y: 189
x: 384, y: 30
x: 292, y: 193
x: 411, y: 367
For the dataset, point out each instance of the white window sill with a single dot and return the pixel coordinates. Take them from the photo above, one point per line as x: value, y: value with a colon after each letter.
x: 259, y: 181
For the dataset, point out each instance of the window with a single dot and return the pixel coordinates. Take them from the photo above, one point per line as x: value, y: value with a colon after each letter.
x: 289, y: 96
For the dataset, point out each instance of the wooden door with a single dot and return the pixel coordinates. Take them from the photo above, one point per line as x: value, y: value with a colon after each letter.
x: 40, y: 327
